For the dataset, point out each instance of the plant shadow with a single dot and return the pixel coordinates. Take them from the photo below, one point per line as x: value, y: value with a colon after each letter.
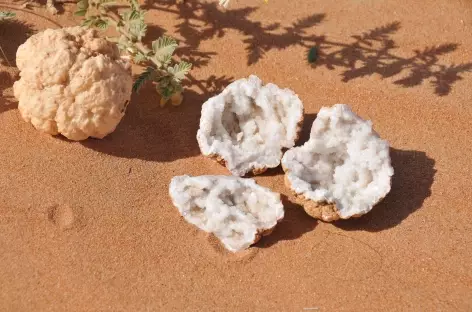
x: 13, y: 33
x: 202, y: 21
x: 7, y: 102
x: 367, y: 54
x: 152, y: 133
x: 411, y: 185
x: 294, y: 225
x: 372, y: 53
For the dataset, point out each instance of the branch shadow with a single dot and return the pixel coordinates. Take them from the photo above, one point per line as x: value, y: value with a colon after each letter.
x: 411, y: 185
x: 294, y: 225
x: 7, y: 102
x: 201, y: 21
x: 371, y: 53
x: 152, y: 133
x: 13, y: 33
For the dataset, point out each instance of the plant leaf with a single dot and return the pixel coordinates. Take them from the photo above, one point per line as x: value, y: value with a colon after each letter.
x: 6, y: 15
x: 180, y: 70
x: 166, y: 59
x: 312, y: 55
x: 165, y: 91
x: 134, y: 5
x: 123, y: 43
x: 134, y: 24
x: 146, y: 75
x: 88, y: 22
x: 134, y: 15
x: 138, y: 30
x: 167, y: 87
x: 83, y: 5
x: 101, y: 24
x: 163, y: 47
x: 80, y: 12
x: 139, y: 58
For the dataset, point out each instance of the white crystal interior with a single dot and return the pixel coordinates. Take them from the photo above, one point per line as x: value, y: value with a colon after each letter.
x: 233, y: 208
x: 344, y: 162
x: 248, y: 124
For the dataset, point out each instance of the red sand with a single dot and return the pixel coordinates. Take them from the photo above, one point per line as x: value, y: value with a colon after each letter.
x: 89, y: 226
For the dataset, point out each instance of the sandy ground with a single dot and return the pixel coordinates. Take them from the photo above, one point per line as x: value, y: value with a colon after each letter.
x: 89, y: 226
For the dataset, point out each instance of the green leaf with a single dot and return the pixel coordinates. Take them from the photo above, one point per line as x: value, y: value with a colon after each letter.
x: 167, y: 87
x: 133, y: 22
x: 146, y: 75
x: 124, y: 44
x: 180, y: 70
x: 80, y: 12
x: 6, y: 15
x: 166, y: 59
x: 313, y: 55
x: 88, y: 22
x: 101, y: 24
x: 134, y: 5
x: 134, y: 15
x: 165, y: 92
x: 138, y: 30
x: 139, y: 58
x: 164, y: 47
x: 83, y: 5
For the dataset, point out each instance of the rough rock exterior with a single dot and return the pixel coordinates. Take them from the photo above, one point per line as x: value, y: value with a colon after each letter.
x: 72, y: 82
x: 343, y: 170
x: 247, y: 125
x: 237, y: 211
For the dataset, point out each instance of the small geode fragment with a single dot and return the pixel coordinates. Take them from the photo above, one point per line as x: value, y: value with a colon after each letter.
x: 343, y: 170
x: 237, y: 211
x: 246, y: 126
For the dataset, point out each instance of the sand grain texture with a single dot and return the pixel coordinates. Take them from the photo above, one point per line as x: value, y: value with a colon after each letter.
x: 88, y: 226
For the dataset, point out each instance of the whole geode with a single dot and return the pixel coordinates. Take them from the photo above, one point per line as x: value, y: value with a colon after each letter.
x: 73, y: 82
x: 343, y: 170
x: 246, y: 126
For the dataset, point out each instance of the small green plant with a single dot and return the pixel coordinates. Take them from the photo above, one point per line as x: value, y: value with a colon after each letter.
x: 162, y: 70
x: 4, y: 15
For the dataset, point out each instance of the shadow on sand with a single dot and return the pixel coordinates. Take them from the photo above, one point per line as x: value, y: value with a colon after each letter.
x: 152, y: 133
x: 366, y: 54
x: 294, y: 225
x: 411, y: 185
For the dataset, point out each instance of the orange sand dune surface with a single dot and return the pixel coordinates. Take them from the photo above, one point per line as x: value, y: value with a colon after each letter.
x: 89, y: 226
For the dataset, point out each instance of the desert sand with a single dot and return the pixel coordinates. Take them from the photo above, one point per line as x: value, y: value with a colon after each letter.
x: 89, y: 226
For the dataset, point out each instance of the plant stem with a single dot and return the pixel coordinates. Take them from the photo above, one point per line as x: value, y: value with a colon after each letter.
x: 113, y: 18
x: 5, y: 56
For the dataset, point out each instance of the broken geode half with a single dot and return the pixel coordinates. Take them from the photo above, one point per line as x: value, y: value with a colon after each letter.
x: 237, y: 211
x: 343, y: 170
x: 246, y: 126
